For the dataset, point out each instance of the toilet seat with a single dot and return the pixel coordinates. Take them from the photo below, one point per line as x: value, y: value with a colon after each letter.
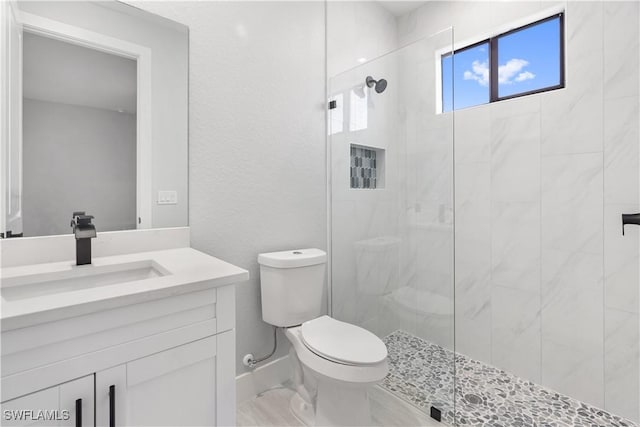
x: 342, y: 342
x: 357, y: 374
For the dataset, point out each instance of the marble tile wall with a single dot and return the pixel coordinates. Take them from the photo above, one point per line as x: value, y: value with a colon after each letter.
x: 572, y: 283
x: 473, y: 233
x: 546, y: 286
x: 427, y: 199
x: 621, y: 158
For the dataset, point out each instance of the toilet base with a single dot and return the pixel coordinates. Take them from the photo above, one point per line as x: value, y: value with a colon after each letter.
x: 335, y: 406
x: 341, y: 404
x: 301, y: 410
x: 329, y: 393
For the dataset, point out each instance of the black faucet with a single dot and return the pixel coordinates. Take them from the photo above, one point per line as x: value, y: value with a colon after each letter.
x: 84, y: 231
x: 630, y: 219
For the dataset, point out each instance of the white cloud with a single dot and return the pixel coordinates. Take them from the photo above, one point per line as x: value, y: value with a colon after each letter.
x: 525, y: 75
x: 480, y: 73
x: 507, y: 73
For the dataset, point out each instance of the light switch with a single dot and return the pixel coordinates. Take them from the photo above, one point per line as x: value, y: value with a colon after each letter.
x: 167, y: 197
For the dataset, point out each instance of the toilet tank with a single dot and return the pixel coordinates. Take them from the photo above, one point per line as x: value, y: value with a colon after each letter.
x: 292, y: 284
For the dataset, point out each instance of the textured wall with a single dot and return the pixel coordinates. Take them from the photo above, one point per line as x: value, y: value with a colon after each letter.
x: 546, y: 286
x: 256, y: 138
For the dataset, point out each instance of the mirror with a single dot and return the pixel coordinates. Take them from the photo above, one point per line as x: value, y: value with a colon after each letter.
x: 95, y: 117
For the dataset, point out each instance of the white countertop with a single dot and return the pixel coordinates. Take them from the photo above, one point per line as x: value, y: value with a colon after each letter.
x: 189, y: 270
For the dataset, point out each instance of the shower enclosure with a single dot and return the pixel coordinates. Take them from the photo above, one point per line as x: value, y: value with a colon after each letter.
x: 484, y: 245
x: 392, y: 211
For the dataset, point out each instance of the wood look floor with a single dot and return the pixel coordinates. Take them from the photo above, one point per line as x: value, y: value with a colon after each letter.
x: 271, y: 409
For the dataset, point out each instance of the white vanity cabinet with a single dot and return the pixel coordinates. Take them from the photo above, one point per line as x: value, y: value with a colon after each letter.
x: 68, y: 404
x: 166, y: 360
x: 174, y: 387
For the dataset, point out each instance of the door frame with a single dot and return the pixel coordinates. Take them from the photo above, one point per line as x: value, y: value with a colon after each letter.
x: 11, y: 118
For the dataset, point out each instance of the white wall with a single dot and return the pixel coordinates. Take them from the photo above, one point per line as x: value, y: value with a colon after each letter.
x: 169, y: 52
x: 357, y: 31
x: 58, y: 71
x: 77, y: 158
x: 546, y: 286
x: 256, y: 144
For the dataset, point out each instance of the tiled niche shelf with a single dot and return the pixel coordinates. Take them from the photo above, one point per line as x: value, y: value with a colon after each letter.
x: 367, y: 167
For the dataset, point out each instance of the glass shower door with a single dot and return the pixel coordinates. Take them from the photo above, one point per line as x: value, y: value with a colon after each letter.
x: 391, y: 211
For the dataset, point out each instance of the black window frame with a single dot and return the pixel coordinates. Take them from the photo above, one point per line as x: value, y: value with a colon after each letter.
x: 492, y: 44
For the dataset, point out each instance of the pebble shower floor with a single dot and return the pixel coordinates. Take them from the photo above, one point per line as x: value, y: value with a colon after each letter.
x: 422, y: 373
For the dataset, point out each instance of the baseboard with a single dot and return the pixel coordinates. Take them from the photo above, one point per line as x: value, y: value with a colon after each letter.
x: 262, y: 378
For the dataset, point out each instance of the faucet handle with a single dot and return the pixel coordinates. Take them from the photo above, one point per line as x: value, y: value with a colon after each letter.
x: 80, y: 218
x: 630, y: 219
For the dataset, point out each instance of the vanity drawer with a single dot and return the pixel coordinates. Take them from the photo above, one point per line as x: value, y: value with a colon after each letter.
x: 40, y: 345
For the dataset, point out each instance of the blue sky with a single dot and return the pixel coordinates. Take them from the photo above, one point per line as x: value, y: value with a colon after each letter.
x: 528, y: 60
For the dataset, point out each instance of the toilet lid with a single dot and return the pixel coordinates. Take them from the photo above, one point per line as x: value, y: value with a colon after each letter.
x: 342, y: 342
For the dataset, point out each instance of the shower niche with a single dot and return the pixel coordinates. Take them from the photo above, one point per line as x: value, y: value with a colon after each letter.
x: 367, y: 167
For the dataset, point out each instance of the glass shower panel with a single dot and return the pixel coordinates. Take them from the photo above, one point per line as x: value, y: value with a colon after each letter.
x: 391, y: 211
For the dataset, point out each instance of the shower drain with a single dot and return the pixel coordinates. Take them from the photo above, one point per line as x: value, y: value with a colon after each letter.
x: 473, y: 399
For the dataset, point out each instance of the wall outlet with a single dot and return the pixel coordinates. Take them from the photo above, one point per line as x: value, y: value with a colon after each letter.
x: 167, y: 197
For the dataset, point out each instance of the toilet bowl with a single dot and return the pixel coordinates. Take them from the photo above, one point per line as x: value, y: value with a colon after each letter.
x: 334, y: 363
x: 343, y: 361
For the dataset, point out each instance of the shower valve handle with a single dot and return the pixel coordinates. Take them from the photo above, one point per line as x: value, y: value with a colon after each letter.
x: 630, y: 219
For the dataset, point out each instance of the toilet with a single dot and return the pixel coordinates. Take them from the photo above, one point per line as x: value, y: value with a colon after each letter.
x: 334, y: 363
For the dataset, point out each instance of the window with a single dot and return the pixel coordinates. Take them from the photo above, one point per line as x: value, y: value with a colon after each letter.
x: 520, y: 62
x: 471, y: 77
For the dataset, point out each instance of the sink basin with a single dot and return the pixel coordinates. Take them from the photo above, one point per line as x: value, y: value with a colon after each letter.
x: 73, y: 278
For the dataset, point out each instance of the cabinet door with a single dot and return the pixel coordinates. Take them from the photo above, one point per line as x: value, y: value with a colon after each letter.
x: 176, y: 387
x: 68, y: 404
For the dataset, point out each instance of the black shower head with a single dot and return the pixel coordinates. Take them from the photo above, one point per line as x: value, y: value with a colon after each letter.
x: 380, y: 85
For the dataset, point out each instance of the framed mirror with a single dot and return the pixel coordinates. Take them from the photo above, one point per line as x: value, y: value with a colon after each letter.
x: 95, y: 117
